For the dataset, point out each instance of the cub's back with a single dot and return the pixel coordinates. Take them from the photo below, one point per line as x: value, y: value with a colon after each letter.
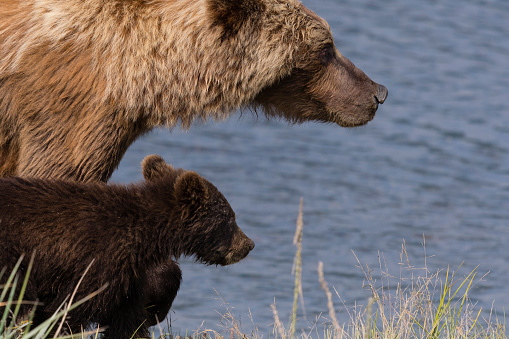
x: 56, y: 206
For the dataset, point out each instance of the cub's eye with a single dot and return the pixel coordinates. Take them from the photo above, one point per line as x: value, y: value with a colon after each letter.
x: 327, y: 54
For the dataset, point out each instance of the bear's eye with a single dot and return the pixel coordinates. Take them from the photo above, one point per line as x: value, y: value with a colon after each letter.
x: 327, y: 54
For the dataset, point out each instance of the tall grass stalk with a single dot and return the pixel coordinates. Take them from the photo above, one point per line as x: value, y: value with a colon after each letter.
x: 297, y: 241
x: 330, y: 305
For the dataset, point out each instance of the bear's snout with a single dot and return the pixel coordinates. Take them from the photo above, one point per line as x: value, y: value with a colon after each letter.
x: 241, y: 246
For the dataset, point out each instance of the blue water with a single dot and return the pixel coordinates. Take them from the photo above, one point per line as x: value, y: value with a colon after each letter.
x: 433, y: 165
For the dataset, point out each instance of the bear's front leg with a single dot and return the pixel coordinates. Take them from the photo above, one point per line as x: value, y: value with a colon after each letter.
x: 161, y: 287
x: 127, y: 323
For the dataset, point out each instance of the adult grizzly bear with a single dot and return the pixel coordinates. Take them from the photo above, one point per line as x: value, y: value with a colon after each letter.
x: 80, y: 80
x: 125, y: 230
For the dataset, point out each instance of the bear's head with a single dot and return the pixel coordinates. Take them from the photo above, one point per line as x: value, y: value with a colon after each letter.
x: 206, y: 222
x: 311, y: 79
x: 186, y: 61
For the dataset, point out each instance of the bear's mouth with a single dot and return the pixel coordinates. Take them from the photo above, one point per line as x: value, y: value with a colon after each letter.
x: 236, y: 255
x: 233, y: 258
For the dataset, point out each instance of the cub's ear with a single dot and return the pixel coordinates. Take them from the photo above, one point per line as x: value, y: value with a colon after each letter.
x: 232, y: 14
x: 191, y: 192
x: 154, y: 168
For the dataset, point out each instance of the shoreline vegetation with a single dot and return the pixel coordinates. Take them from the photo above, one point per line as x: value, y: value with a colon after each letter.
x: 425, y: 305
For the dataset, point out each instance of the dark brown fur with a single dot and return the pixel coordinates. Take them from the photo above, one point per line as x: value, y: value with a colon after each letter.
x: 163, y: 283
x: 130, y: 232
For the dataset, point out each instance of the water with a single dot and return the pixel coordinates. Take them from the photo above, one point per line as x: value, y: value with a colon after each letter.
x: 433, y: 163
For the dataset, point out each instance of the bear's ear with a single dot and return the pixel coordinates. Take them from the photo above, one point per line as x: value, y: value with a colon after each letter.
x: 154, y: 168
x: 191, y: 192
x: 232, y: 14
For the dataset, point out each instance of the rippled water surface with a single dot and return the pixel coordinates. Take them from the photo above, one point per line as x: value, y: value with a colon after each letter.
x: 433, y: 163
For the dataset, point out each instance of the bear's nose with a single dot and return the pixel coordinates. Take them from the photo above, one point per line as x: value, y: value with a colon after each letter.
x: 250, y: 244
x: 381, y: 94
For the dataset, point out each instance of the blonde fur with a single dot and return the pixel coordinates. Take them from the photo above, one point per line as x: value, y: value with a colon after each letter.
x: 81, y: 79
x: 158, y: 56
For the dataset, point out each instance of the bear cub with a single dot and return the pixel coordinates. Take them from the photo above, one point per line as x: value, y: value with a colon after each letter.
x: 127, y: 232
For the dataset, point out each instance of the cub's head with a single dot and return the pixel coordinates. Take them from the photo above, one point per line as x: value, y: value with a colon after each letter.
x: 208, y: 229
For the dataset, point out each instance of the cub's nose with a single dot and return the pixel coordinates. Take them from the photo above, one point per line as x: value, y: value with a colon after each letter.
x: 250, y: 244
x: 381, y: 94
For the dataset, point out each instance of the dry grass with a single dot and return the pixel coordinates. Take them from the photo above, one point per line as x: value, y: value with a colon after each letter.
x: 424, y: 304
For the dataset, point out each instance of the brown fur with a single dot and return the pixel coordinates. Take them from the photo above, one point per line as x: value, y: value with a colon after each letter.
x: 130, y: 232
x: 80, y: 80
x: 163, y: 283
